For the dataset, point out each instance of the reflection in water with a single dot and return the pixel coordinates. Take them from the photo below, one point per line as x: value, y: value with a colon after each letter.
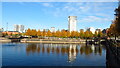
x: 72, y: 53
x: 112, y: 56
x: 72, y: 50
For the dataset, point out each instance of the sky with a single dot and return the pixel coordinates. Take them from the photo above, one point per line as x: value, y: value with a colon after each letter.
x: 59, y: 0
x: 44, y: 15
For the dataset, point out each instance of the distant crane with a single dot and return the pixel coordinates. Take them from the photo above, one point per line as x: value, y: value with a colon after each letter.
x: 7, y: 26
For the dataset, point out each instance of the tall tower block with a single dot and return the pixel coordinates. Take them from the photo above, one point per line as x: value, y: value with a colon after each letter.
x: 72, y: 23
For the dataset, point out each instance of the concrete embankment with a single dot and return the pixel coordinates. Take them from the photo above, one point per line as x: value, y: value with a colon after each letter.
x: 51, y: 41
x: 4, y: 40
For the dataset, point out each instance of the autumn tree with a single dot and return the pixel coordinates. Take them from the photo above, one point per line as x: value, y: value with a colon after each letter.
x: 76, y: 34
x: 49, y: 34
x: 86, y: 34
x: 58, y: 33
x: 39, y: 33
x: 96, y: 34
x: 100, y: 34
x: 44, y: 33
x: 90, y: 34
x: 53, y: 34
x: 81, y: 34
x: 68, y: 33
x: 73, y: 34
x: 63, y: 33
x: 112, y: 30
x: 33, y: 32
x: 117, y: 20
x: 28, y: 32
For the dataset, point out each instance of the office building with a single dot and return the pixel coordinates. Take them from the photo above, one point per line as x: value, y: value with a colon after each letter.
x: 19, y: 28
x: 1, y: 29
x: 72, y: 23
x: 16, y: 27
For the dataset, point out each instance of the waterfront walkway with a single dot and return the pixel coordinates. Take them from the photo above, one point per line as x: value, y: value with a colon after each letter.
x: 4, y: 40
x: 64, y: 40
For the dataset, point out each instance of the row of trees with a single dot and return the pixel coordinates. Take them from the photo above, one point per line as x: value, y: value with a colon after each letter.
x: 63, y: 33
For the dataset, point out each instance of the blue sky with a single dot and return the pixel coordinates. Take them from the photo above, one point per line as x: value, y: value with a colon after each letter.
x: 40, y: 15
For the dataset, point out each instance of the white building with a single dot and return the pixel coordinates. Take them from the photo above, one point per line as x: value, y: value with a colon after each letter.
x: 72, y: 23
x: 19, y: 28
x: 16, y: 27
x: 91, y: 29
x: 52, y: 29
x: 1, y: 29
x: 72, y: 55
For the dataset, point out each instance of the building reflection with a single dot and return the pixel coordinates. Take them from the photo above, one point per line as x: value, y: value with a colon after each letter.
x: 72, y: 53
x: 71, y: 50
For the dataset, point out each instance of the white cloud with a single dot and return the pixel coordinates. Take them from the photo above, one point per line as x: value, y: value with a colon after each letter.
x: 86, y: 8
x: 90, y: 19
x: 47, y: 4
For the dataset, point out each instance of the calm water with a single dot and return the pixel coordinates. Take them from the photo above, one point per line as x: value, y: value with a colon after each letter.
x: 37, y: 54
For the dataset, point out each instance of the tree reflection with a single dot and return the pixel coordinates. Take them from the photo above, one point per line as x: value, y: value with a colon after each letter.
x: 89, y: 49
x: 57, y: 50
x: 71, y: 50
x: 43, y: 49
x: 31, y: 48
x: 63, y: 50
x: 48, y: 50
x: 98, y: 50
x: 38, y: 49
x: 53, y: 50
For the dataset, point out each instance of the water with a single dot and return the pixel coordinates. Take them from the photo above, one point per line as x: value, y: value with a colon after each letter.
x: 38, y: 54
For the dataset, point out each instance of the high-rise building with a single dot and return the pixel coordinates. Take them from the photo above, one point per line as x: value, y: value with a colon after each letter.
x: 16, y: 27
x: 52, y: 29
x: 1, y: 29
x: 19, y: 28
x: 72, y: 23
